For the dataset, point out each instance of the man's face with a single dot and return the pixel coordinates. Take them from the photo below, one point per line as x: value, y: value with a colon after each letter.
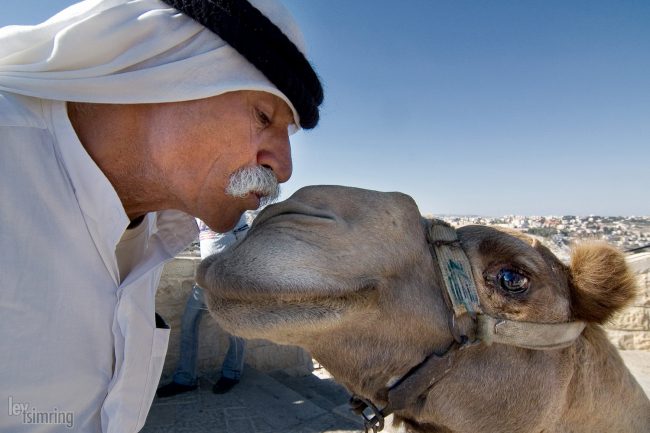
x: 198, y: 145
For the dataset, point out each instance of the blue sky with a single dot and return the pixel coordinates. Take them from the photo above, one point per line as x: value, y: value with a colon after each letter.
x: 475, y: 107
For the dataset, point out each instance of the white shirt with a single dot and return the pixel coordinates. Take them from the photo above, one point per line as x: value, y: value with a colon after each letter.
x: 78, y: 345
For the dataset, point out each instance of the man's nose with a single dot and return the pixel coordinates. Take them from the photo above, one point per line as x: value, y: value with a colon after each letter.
x: 276, y: 155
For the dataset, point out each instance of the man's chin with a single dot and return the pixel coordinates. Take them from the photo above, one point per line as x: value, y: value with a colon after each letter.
x: 230, y: 214
x: 224, y: 222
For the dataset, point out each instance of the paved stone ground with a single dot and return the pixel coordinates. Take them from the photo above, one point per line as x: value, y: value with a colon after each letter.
x: 279, y: 403
x: 260, y: 403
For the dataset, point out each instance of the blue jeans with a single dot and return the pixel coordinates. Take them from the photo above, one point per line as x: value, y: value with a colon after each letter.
x: 185, y: 373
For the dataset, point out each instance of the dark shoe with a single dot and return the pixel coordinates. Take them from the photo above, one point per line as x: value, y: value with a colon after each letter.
x: 174, y: 388
x: 224, y: 385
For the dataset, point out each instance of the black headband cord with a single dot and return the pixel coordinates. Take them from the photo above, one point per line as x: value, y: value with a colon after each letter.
x: 264, y: 45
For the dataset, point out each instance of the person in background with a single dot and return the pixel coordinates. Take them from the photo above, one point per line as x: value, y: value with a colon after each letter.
x: 104, y: 108
x: 185, y: 376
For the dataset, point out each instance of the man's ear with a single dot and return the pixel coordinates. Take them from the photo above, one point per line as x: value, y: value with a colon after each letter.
x: 601, y: 282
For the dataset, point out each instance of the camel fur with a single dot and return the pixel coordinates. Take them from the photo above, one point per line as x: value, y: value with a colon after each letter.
x: 348, y: 274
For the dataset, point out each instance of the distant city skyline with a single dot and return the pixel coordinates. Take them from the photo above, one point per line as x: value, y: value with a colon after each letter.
x: 628, y: 234
x: 499, y: 108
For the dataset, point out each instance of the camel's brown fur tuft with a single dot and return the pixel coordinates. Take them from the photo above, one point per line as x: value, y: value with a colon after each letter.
x: 602, y: 282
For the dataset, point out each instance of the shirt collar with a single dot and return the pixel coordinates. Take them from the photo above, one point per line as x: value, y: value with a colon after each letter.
x: 98, y: 200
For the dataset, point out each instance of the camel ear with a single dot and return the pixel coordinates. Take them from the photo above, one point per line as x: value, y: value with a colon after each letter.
x: 602, y: 282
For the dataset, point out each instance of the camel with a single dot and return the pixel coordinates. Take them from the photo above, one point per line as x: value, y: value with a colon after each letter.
x: 359, y: 279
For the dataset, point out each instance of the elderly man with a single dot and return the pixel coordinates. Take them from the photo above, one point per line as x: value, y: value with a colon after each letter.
x: 120, y: 121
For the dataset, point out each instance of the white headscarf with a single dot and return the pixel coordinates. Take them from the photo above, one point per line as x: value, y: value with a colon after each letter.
x: 131, y: 51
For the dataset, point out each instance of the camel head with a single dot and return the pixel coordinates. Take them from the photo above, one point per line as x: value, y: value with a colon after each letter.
x: 351, y: 275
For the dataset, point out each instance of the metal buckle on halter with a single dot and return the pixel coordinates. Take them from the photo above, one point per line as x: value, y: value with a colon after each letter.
x: 374, y: 421
x: 461, y: 337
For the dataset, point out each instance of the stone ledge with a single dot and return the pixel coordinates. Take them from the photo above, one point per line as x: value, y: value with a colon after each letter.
x: 631, y: 319
x: 630, y: 329
x: 182, y: 267
x: 630, y: 340
x: 643, y: 300
x: 639, y: 263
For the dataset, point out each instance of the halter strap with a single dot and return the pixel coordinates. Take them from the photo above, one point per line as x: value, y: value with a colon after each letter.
x: 536, y: 336
x: 456, y: 269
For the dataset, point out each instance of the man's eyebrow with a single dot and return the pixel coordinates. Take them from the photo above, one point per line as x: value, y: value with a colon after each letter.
x: 286, y: 113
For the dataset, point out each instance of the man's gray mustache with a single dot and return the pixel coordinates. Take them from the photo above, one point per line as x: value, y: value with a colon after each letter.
x: 259, y: 180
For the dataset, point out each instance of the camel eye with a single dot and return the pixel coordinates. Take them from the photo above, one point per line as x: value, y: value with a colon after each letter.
x: 512, y: 281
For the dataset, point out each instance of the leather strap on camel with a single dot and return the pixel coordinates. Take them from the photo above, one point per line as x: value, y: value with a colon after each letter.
x: 461, y: 296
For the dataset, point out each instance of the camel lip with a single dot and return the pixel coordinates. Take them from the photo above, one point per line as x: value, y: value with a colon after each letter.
x: 237, y: 288
x: 279, y: 220
x: 294, y: 296
x: 290, y: 296
x: 282, y: 310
